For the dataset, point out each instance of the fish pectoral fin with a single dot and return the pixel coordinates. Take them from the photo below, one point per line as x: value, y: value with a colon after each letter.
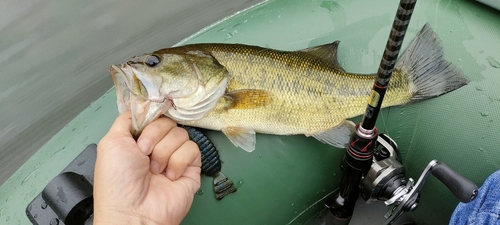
x: 338, y: 136
x: 327, y: 52
x: 241, y: 137
x: 247, y: 99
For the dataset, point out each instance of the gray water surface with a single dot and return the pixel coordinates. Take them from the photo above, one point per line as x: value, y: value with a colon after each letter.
x: 54, y: 57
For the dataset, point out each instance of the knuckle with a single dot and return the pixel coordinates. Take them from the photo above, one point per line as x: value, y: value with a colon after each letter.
x: 155, y: 127
x: 161, y: 154
x: 180, y: 132
x: 160, y: 125
x: 195, y: 151
x: 192, y: 146
x: 167, y: 121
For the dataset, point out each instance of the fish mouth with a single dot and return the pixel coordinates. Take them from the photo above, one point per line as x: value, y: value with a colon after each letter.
x: 144, y: 109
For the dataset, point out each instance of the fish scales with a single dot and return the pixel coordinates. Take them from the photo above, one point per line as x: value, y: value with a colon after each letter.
x: 309, y: 95
x: 241, y: 89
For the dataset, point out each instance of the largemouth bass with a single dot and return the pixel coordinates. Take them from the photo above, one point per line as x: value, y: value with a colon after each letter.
x: 240, y: 89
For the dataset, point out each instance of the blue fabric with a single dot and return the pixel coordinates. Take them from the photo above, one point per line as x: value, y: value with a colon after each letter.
x: 485, y: 209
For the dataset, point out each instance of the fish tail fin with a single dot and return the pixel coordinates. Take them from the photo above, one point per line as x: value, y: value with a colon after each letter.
x: 430, y: 74
x: 222, y: 185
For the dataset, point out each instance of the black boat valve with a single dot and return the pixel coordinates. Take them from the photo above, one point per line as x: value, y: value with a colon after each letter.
x: 68, y: 197
x: 386, y: 181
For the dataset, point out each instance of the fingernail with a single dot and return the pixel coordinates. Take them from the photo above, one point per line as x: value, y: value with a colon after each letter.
x: 154, y: 167
x: 145, y: 146
x: 170, y: 174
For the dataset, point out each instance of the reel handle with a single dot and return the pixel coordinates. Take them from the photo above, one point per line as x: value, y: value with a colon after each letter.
x: 462, y: 188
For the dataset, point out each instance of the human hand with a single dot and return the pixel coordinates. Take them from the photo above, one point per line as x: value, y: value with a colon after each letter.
x: 131, y: 187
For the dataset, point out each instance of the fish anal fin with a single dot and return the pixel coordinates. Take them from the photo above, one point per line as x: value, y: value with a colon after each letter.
x: 337, y: 136
x: 247, y: 99
x: 327, y: 52
x: 241, y: 137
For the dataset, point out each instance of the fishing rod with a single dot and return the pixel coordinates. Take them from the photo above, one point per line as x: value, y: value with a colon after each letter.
x: 372, y: 166
x: 359, y: 156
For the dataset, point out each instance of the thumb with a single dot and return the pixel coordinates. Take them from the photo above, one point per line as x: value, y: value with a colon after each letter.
x: 119, y: 134
x: 122, y: 125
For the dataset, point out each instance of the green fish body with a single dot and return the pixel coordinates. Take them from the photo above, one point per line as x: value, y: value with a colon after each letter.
x: 241, y: 89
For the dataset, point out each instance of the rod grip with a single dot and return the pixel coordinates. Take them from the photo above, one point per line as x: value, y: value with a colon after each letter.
x: 463, y: 189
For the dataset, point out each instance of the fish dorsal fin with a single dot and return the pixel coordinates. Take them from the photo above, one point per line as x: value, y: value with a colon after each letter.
x: 337, y: 136
x: 327, y: 52
x: 241, y: 137
x: 247, y: 99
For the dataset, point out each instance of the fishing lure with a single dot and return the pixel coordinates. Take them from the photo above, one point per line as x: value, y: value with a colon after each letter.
x: 211, y: 164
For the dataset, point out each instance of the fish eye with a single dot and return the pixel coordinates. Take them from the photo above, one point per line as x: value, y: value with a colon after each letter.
x: 152, y: 60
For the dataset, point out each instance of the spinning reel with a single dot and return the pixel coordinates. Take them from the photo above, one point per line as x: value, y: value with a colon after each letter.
x: 385, y: 181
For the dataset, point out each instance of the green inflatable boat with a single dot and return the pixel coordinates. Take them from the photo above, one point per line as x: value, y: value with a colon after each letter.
x: 287, y: 179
